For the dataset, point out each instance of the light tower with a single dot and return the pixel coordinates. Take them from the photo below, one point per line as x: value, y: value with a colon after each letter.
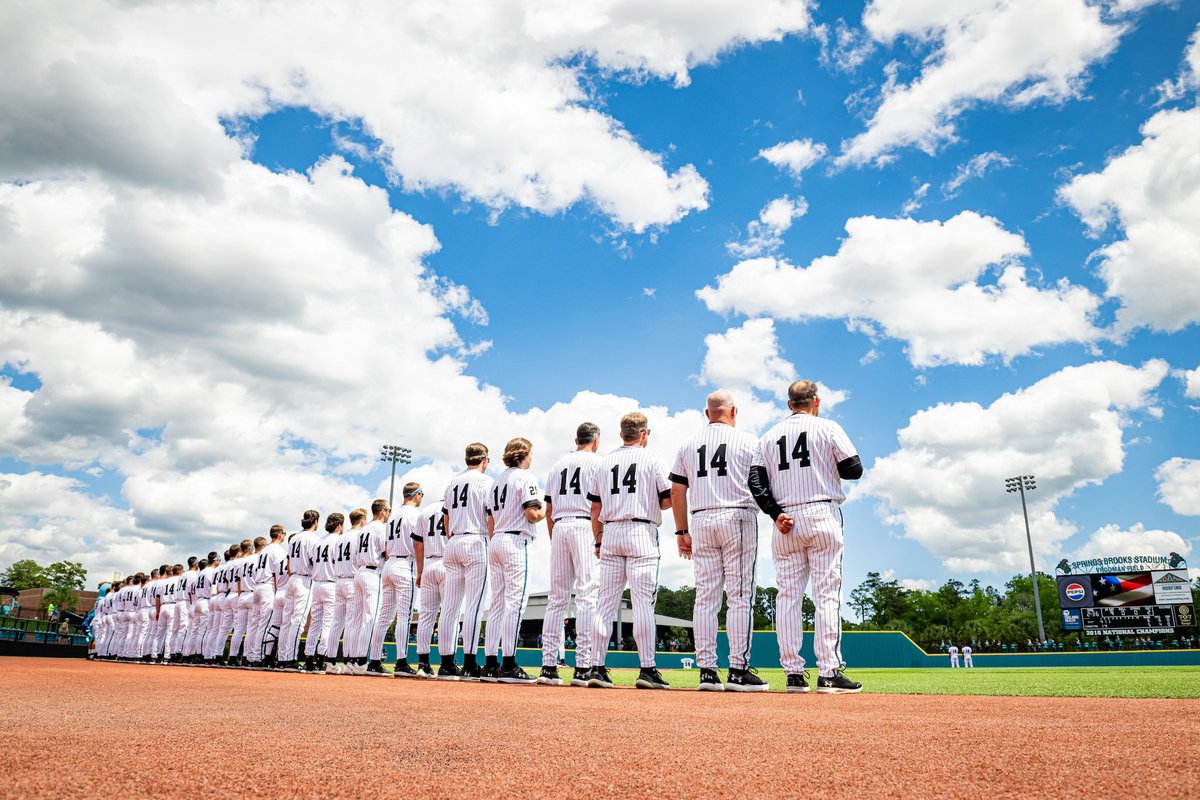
x: 1023, y: 484
x: 396, y: 455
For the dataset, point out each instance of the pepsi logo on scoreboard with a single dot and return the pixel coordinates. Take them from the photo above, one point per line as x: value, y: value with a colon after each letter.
x: 1075, y: 591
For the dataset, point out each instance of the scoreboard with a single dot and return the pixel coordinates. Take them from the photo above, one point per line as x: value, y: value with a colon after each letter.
x: 1143, y: 602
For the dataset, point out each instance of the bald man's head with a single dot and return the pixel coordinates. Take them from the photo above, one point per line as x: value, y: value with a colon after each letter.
x: 720, y: 407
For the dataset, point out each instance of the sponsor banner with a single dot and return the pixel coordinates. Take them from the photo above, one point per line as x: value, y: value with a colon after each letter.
x: 1072, y: 620
x: 1171, y: 586
x: 1185, y: 615
x: 1123, y: 589
x: 1075, y: 591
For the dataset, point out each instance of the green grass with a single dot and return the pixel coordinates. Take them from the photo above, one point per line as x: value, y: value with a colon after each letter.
x: 1164, y: 682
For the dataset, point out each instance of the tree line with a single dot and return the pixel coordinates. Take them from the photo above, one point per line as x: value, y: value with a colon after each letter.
x: 62, y: 579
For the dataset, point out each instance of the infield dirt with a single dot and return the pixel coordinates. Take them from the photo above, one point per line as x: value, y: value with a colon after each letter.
x: 82, y: 729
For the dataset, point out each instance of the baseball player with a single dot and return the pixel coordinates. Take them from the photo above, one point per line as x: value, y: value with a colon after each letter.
x: 628, y: 492
x: 805, y: 459
x: 343, y: 593
x: 184, y: 609
x: 468, y: 527
x: 214, y: 640
x: 369, y: 557
x: 324, y: 588
x: 953, y: 651
x: 139, y: 609
x: 168, y: 595
x: 299, y: 588
x: 516, y: 507
x: 243, y: 586
x: 262, y: 597
x: 229, y: 606
x: 396, y: 598
x: 429, y: 545
x: 966, y: 654
x: 201, y: 619
x: 712, y: 472
x: 572, y: 556
x: 278, y: 557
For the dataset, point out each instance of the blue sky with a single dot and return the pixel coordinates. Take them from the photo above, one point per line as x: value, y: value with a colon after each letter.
x: 221, y: 289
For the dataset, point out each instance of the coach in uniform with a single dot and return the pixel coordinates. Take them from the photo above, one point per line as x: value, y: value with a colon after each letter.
x: 712, y: 471
x: 572, y: 557
x: 628, y: 492
x: 800, y: 487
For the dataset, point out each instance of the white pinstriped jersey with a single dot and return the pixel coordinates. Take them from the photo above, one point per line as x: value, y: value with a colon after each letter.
x: 322, y: 558
x: 400, y: 531
x: 567, y: 486
x: 300, y: 552
x: 629, y: 483
x: 256, y: 571
x: 204, y: 583
x: 276, y: 564
x: 188, y: 584
x: 515, y: 490
x: 801, y: 455
x: 370, y: 541
x: 232, y: 571
x: 168, y: 589
x: 715, y: 466
x: 245, y: 572
x: 431, y: 529
x: 466, y: 499
x: 138, y: 597
x: 342, y: 553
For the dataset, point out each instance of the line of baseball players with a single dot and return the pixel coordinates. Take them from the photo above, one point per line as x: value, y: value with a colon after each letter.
x: 602, y: 513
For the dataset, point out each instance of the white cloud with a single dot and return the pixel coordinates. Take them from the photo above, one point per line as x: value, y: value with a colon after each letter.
x: 919, y: 584
x: 746, y: 357
x: 923, y: 283
x: 765, y: 234
x: 1014, y: 52
x: 487, y: 100
x: 1189, y: 74
x: 1137, y: 541
x: 795, y: 156
x: 914, y: 203
x: 1191, y: 382
x: 945, y: 484
x: 977, y: 167
x: 1151, y: 192
x: 1179, y: 485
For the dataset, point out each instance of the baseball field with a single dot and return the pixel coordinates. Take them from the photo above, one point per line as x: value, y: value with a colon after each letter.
x: 81, y: 729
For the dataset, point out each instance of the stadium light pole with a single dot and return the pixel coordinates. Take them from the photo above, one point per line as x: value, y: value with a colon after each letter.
x: 396, y: 455
x: 1023, y: 484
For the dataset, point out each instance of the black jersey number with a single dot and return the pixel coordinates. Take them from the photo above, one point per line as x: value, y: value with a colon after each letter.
x: 344, y: 552
x: 718, y: 463
x: 460, y: 499
x: 437, y: 525
x: 798, y: 455
x: 573, y: 484
x: 499, y: 497
x: 629, y: 481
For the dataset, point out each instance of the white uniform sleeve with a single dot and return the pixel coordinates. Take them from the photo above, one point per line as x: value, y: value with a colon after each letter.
x: 531, y: 494
x: 842, y: 448
x: 680, y: 473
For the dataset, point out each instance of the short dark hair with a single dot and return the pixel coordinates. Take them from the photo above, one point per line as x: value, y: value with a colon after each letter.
x: 587, y: 433
x: 192, y: 561
x: 475, y: 454
x: 333, y: 521
x: 378, y: 506
x: 801, y: 394
x: 310, y: 519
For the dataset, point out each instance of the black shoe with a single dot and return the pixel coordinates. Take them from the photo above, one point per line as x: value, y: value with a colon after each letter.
x: 581, y: 675
x: 745, y: 680
x: 549, y: 677
x: 256, y: 665
x: 837, y: 683
x: 797, y: 683
x: 514, y: 674
x: 375, y: 668
x: 425, y: 670
x: 651, y: 678
x: 472, y: 672
x: 490, y: 673
x: 599, y: 678
x: 310, y: 665
x: 711, y: 682
x: 320, y: 663
x: 403, y: 670
x: 449, y: 672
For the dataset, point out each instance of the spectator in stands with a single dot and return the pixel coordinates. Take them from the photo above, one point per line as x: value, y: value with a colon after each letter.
x: 64, y: 632
x: 52, y: 613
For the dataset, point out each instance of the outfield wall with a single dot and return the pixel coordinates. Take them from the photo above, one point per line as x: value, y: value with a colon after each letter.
x: 874, y: 649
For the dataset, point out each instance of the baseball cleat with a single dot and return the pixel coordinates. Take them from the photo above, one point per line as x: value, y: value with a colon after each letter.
x: 375, y: 669
x: 599, y: 678
x: 710, y: 681
x: 549, y: 677
x: 425, y: 670
x: 837, y: 683
x: 797, y: 683
x: 449, y: 672
x: 745, y: 680
x: 580, y: 678
x: 403, y: 670
x: 471, y: 672
x: 490, y: 674
x: 333, y: 668
x: 514, y: 675
x: 651, y: 678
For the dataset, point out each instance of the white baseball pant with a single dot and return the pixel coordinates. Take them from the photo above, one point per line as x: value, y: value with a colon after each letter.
x: 198, y: 631
x: 295, y: 615
x: 813, y: 548
x: 139, y: 640
x: 364, y: 611
x: 953, y: 660
x: 395, y: 605
x: 967, y: 660
x: 343, y: 597
x: 629, y: 554
x: 183, y: 620
x: 466, y: 565
x: 433, y: 581
x: 165, y: 630
x: 572, y: 566
x: 218, y: 626
x: 508, y: 572
x: 240, y: 621
x: 274, y: 630
x: 724, y: 550
x: 321, y: 617
x: 262, y: 602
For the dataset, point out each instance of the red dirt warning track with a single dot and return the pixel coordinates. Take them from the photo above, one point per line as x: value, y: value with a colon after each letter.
x: 193, y: 732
